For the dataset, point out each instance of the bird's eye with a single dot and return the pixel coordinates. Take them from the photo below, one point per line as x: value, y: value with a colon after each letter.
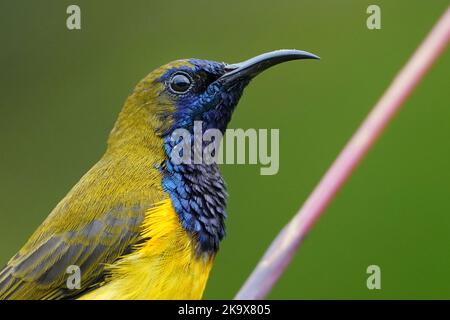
x: 180, y: 82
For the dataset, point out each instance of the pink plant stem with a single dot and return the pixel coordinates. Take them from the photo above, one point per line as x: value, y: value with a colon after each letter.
x: 283, y: 248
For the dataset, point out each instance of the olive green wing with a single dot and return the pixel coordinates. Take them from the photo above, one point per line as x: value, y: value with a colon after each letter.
x: 42, y: 268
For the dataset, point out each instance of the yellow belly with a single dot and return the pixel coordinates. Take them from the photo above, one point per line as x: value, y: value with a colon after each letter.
x: 164, y: 267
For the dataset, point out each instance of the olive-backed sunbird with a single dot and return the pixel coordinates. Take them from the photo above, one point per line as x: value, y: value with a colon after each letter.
x: 139, y: 225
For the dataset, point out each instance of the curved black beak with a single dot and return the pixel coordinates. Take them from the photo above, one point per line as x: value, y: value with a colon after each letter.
x: 254, y: 66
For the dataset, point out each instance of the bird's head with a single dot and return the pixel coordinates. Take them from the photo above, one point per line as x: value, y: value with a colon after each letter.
x: 181, y: 92
x: 179, y: 95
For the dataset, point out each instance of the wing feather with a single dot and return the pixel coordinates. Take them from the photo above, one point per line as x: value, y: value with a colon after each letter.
x: 38, y: 271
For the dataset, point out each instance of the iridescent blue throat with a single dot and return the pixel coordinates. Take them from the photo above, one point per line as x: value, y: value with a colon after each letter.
x: 198, y: 194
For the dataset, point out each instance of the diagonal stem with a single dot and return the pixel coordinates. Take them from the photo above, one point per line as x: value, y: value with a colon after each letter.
x: 283, y: 248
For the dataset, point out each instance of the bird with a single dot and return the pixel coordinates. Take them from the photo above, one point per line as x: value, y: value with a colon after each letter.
x: 138, y: 225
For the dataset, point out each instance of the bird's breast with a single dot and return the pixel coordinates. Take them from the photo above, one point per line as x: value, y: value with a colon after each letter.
x: 166, y: 265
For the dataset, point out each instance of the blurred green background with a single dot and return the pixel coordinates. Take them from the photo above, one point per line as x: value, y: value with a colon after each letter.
x: 61, y: 91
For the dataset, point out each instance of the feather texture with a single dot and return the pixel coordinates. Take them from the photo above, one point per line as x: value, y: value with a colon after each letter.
x: 169, y: 253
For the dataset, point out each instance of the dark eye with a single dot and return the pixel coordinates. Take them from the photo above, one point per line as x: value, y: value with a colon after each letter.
x: 180, y: 83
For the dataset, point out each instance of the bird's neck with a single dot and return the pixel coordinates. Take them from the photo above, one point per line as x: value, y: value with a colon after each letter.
x: 197, y: 191
x: 199, y: 196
